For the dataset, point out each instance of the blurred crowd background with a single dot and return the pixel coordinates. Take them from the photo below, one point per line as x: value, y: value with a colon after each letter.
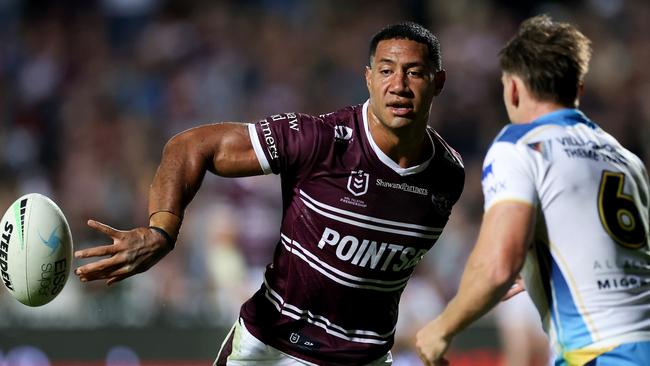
x: 91, y: 90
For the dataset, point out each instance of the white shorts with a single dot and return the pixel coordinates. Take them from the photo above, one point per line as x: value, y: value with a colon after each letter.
x: 241, y: 348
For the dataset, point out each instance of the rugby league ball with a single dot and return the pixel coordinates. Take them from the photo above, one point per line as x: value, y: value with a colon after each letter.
x: 35, y: 249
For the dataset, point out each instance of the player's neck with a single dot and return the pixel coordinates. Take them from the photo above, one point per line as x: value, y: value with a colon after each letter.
x: 532, y: 110
x: 408, y: 146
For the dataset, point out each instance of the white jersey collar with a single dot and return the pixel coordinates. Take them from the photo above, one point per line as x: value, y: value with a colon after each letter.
x: 388, y: 161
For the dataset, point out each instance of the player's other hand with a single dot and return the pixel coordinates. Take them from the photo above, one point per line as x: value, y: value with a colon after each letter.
x: 131, y: 252
x: 431, y: 345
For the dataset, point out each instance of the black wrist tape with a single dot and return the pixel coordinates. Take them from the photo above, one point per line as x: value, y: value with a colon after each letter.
x: 171, y: 242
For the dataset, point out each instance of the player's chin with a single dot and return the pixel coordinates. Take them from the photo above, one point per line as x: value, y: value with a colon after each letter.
x: 398, y: 122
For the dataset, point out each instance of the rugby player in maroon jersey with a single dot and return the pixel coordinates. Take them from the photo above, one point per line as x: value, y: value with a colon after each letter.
x: 366, y: 191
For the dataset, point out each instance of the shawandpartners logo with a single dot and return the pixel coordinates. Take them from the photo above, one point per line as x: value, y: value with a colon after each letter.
x: 403, y: 186
x: 271, y: 147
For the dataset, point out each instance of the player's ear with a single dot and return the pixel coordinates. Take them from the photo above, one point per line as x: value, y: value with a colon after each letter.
x: 439, y: 79
x: 514, y: 91
x: 581, y: 91
x: 367, y: 74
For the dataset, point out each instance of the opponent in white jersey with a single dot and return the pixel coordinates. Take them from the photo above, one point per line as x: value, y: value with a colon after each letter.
x: 588, y: 270
x: 565, y: 202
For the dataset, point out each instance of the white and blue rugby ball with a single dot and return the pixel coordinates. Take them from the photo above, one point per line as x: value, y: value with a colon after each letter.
x: 35, y: 249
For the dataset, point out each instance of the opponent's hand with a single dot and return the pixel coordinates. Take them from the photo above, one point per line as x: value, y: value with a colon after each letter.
x: 431, y: 345
x: 131, y: 252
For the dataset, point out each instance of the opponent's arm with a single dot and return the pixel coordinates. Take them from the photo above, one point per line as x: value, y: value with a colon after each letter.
x: 491, y: 269
x: 224, y: 149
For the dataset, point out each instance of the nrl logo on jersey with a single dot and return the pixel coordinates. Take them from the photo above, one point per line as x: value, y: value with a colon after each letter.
x: 358, y: 182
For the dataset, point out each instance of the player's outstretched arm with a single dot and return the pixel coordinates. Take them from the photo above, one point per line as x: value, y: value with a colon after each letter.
x: 491, y: 269
x: 223, y: 148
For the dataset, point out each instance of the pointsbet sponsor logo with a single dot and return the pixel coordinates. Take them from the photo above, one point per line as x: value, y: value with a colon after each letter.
x: 4, y: 252
x: 370, y: 253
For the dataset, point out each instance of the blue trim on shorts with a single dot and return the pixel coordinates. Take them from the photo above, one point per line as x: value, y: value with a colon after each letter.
x: 628, y: 354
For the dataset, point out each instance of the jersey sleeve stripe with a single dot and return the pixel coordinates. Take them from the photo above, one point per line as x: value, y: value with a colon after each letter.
x: 259, y: 152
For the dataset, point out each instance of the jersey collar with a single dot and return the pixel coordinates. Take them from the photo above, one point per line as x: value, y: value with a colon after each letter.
x: 568, y: 116
x: 387, y: 160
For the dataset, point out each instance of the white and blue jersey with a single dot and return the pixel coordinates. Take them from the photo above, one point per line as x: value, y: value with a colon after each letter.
x: 588, y: 268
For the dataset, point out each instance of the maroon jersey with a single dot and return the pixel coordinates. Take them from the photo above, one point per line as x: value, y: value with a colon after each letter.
x: 354, y: 226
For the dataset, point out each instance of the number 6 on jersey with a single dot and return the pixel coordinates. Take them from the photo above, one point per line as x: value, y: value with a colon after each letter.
x: 618, y: 212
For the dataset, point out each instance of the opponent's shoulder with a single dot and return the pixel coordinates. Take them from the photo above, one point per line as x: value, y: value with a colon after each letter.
x: 512, y: 152
x: 515, y: 133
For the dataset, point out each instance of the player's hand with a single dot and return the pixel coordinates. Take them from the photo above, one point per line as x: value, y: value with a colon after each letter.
x: 131, y: 252
x: 517, y: 288
x: 431, y: 345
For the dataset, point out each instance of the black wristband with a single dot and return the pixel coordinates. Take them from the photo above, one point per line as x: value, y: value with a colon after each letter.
x: 171, y: 242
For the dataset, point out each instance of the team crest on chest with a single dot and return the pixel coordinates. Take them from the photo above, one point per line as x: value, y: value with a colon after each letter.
x: 442, y: 204
x: 358, y: 182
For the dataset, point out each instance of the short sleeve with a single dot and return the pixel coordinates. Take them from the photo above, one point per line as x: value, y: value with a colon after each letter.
x: 285, y: 142
x: 508, y: 175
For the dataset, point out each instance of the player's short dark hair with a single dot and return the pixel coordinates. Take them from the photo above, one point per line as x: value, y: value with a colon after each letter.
x: 551, y: 57
x: 411, y: 31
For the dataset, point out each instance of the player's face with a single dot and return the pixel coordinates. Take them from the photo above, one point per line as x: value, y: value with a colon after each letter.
x: 402, y: 83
